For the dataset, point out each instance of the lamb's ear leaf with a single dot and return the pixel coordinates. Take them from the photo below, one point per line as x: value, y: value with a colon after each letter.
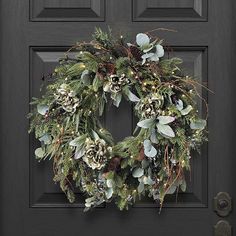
x: 117, y: 99
x: 78, y: 141
x: 149, y: 150
x: 198, y: 124
x: 79, y: 153
x: 132, y: 97
x: 146, y: 123
x: 95, y: 135
x: 165, y: 119
x: 165, y: 130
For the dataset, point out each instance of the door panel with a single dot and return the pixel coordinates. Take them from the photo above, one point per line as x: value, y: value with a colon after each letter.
x: 171, y: 10
x: 70, y: 10
x: 34, y: 35
x: 45, y: 194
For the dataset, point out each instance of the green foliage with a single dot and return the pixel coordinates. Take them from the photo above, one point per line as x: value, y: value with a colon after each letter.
x: 67, y: 122
x: 103, y: 38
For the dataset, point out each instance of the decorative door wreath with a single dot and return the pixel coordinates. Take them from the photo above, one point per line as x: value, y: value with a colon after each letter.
x: 66, y: 120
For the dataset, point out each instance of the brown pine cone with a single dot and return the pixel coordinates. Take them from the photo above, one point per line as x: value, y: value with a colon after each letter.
x: 137, y: 54
x: 119, y: 51
x: 105, y: 69
x: 141, y: 155
x: 110, y: 68
x: 114, y: 164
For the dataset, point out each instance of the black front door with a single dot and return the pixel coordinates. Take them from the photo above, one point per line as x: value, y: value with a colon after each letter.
x: 34, y: 34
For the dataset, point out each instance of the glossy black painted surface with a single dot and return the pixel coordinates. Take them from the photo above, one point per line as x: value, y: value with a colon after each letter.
x: 34, y: 34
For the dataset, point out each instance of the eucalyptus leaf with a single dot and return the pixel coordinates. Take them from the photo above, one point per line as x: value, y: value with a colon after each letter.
x: 46, y: 139
x: 109, y: 193
x: 148, y: 180
x: 42, y: 109
x: 159, y: 51
x: 138, y: 172
x: 39, y: 152
x: 149, y: 150
x: 142, y: 39
x: 140, y: 187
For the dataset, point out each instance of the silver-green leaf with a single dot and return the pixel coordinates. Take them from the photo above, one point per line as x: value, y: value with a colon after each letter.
x: 42, y: 109
x: 146, y: 123
x: 186, y: 110
x: 40, y: 152
x: 132, y: 97
x: 149, y: 150
x: 165, y: 130
x: 138, y: 172
x: 142, y: 39
x: 198, y: 124
x: 165, y: 119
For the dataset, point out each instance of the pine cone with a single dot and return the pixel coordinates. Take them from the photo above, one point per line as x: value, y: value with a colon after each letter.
x: 114, y: 164
x: 141, y: 155
x: 119, y: 51
x: 110, y: 68
x: 137, y: 54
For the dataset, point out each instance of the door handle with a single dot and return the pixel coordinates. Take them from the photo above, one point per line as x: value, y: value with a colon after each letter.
x: 222, y: 228
x: 222, y: 204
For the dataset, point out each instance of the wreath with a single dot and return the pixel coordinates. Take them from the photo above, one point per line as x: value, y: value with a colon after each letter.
x: 66, y: 120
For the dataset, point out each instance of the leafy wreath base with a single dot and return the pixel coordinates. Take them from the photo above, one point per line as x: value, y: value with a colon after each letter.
x: 66, y: 120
